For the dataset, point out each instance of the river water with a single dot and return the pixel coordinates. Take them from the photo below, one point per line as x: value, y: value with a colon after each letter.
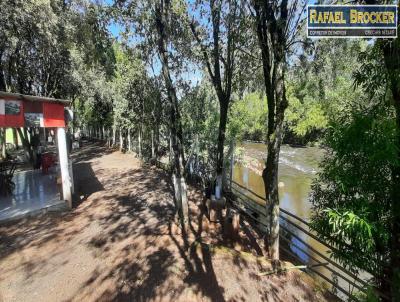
x: 298, y: 167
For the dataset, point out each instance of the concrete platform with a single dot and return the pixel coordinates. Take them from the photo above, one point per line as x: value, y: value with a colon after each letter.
x: 34, y: 193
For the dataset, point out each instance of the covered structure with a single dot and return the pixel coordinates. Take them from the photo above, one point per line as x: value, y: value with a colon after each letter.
x: 18, y: 110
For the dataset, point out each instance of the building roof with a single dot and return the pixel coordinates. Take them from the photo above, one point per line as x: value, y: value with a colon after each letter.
x: 31, y: 98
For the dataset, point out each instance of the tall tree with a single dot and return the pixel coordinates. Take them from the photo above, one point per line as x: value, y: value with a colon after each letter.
x: 162, y: 23
x: 218, y: 43
x: 276, y: 25
x: 157, y: 28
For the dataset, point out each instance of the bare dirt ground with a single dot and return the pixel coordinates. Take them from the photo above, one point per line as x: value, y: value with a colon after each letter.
x: 120, y: 243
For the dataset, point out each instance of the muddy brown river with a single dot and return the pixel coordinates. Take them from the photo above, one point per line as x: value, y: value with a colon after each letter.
x: 298, y: 167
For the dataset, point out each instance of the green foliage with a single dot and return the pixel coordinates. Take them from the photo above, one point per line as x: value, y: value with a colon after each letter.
x: 129, y: 88
x: 34, y: 48
x: 247, y: 117
x: 369, y: 296
x: 351, y: 197
x: 303, y: 117
x: 200, y: 116
x: 94, y: 92
x: 320, y: 88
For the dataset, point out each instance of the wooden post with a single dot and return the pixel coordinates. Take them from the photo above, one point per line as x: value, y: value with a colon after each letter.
x: 63, y: 159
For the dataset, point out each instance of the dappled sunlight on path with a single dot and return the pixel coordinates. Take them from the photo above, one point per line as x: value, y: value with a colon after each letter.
x: 121, y: 243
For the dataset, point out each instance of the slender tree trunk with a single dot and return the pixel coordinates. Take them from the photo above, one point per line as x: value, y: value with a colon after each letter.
x: 156, y: 119
x: 3, y: 85
x: 152, y: 144
x: 129, y: 140
x: 170, y: 149
x: 270, y: 173
x: 162, y: 10
x: 140, y: 141
x: 3, y: 142
x: 15, y: 137
x: 232, y: 163
x: 220, y: 147
x: 221, y: 69
x: 121, y: 143
x: 157, y: 141
x: 26, y: 144
x: 272, y: 41
x: 114, y: 138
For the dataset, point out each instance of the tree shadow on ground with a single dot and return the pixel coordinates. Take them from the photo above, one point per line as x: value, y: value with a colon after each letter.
x: 151, y: 256
x: 85, y: 182
x: 90, y: 150
x: 137, y: 250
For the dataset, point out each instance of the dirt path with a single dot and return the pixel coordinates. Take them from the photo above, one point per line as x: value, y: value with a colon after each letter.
x: 120, y: 244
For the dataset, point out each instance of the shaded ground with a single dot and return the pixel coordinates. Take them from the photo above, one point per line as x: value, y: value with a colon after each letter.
x: 120, y: 243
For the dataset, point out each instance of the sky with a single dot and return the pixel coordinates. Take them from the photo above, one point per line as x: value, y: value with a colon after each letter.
x: 193, y: 77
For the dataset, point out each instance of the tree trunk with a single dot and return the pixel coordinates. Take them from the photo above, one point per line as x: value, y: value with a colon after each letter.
x: 272, y: 41
x: 152, y: 144
x: 270, y: 178
x: 15, y: 137
x: 3, y: 143
x: 156, y: 119
x: 220, y: 147
x: 157, y: 141
x: 129, y: 140
x: 26, y: 144
x: 121, y: 143
x: 140, y: 142
x: 161, y: 16
x: 232, y: 163
x: 114, y: 138
x: 221, y: 75
x: 170, y: 149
